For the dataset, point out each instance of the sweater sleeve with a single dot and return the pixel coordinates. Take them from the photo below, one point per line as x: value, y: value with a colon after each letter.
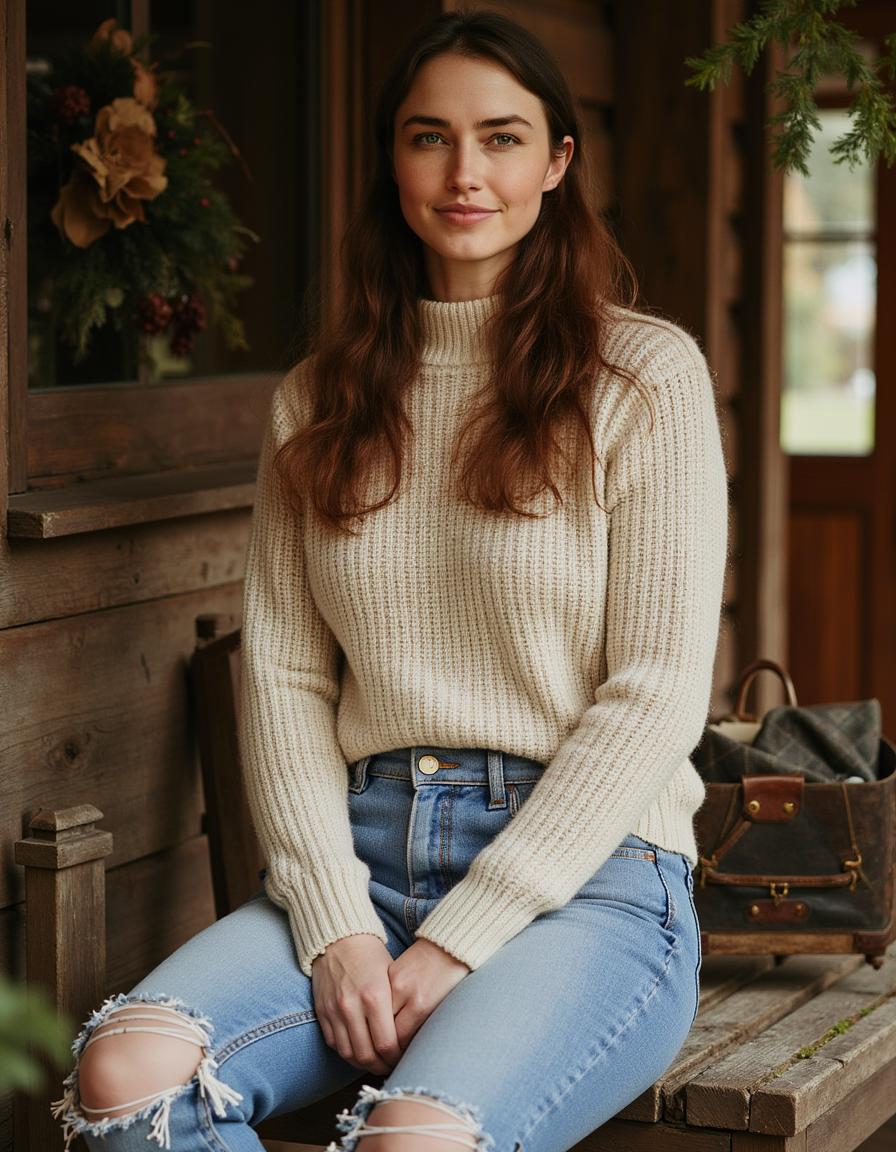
x: 294, y: 770
x: 666, y: 499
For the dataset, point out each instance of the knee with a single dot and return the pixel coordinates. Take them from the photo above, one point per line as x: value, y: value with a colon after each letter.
x: 393, y: 1120
x: 117, y: 1075
x: 133, y: 1058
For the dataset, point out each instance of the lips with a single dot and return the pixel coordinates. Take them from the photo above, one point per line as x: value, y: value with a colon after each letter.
x: 465, y: 216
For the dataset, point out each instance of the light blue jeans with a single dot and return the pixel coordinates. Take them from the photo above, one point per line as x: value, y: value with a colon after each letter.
x: 568, y: 1022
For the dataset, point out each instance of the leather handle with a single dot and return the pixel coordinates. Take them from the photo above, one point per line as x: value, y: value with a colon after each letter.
x: 746, y: 679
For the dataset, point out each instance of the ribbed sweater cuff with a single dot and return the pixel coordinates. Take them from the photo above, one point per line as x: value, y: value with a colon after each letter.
x: 472, y: 922
x: 324, y: 906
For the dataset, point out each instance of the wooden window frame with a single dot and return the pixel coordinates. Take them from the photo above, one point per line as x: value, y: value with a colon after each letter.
x: 79, y: 437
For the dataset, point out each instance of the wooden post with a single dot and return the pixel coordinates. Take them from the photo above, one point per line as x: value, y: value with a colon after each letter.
x: 65, y: 939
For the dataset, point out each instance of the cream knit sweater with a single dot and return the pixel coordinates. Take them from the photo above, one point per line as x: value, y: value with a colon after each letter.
x: 584, y: 640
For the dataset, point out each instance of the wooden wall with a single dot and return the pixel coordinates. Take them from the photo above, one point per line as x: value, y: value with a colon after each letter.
x: 692, y: 198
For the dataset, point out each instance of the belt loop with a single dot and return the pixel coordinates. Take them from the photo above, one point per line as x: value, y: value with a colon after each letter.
x: 359, y: 773
x: 498, y: 797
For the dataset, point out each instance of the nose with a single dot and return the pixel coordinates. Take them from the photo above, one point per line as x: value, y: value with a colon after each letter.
x: 463, y: 165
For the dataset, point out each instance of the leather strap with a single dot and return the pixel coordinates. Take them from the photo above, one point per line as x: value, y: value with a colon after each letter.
x: 782, y: 796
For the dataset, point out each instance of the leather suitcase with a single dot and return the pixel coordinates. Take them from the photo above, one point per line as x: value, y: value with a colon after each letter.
x: 789, y: 865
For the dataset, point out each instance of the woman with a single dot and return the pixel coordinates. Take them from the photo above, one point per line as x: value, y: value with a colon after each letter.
x: 469, y: 691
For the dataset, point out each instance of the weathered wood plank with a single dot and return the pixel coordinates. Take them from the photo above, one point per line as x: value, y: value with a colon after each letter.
x: 852, y: 1121
x: 89, y: 432
x: 753, y: 1142
x: 96, y: 710
x: 126, y: 500
x: 625, y: 1136
x: 720, y: 1097
x: 42, y: 580
x: 727, y: 1023
x: 810, y: 1086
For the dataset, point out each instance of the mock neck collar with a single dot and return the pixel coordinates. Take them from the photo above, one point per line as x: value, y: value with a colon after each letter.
x: 451, y: 330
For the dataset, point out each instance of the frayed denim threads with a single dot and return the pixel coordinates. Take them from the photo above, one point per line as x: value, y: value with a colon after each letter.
x: 218, y: 1094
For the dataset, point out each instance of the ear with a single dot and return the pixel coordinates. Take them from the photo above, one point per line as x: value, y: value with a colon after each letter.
x: 558, y: 165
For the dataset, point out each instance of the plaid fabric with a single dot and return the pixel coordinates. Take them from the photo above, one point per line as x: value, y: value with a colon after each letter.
x: 825, y: 742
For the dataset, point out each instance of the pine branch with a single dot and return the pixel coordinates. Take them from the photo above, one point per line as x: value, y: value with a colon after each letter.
x: 820, y: 46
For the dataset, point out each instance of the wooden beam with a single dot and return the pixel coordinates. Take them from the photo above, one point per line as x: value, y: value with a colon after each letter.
x: 121, y: 500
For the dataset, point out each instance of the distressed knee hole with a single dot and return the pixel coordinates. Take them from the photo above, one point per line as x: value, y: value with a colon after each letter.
x: 113, y: 1073
x: 125, y: 1024
x: 457, y: 1123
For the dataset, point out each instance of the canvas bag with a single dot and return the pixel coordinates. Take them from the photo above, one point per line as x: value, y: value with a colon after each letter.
x: 797, y: 834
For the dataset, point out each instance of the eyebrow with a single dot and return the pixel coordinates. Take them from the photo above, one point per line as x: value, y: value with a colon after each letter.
x: 438, y: 122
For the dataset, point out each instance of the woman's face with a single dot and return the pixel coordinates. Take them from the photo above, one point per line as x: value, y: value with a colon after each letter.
x: 445, y: 153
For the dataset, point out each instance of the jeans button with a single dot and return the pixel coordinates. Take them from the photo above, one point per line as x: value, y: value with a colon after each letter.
x: 428, y: 764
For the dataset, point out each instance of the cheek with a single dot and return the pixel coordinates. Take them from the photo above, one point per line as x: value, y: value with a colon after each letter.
x: 414, y: 182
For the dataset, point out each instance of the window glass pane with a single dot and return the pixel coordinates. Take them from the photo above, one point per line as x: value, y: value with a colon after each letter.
x: 255, y: 82
x: 830, y: 299
x: 832, y: 197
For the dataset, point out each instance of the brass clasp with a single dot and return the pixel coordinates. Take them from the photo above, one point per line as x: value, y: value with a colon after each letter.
x: 776, y: 895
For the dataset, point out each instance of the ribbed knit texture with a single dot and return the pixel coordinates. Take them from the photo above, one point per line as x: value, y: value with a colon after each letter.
x: 584, y: 640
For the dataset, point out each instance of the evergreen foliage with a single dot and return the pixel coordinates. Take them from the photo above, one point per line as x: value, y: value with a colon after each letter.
x: 819, y: 45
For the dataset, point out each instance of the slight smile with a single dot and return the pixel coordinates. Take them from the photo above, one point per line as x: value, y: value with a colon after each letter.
x: 464, y: 218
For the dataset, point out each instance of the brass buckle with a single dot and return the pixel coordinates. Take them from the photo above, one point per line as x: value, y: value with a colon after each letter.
x: 777, y: 896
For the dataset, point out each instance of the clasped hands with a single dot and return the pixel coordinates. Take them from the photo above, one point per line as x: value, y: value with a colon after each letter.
x: 369, y: 1006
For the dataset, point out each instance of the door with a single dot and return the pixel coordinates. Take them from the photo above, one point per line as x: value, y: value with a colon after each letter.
x: 838, y: 413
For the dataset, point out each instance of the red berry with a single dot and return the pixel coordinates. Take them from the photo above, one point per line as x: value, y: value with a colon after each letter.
x: 71, y: 103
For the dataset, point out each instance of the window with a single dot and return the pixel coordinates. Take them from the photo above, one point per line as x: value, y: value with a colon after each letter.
x: 108, y: 416
x: 830, y: 275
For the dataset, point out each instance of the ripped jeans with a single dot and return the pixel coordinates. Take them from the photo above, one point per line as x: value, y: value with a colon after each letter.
x: 555, y: 1033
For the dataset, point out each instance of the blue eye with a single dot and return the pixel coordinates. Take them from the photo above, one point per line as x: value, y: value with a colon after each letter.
x: 421, y: 137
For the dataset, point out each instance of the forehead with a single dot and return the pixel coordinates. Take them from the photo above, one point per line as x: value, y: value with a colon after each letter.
x: 464, y: 90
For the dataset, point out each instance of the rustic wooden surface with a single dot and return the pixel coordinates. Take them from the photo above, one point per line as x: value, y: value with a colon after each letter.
x: 128, y: 500
x: 98, y: 712
x: 64, y: 860
x: 86, y: 433
x: 44, y: 579
x: 236, y: 856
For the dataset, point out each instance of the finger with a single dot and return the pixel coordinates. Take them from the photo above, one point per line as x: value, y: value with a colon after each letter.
x: 361, y: 1041
x: 343, y: 1044
x: 383, y: 1033
x: 407, y: 1022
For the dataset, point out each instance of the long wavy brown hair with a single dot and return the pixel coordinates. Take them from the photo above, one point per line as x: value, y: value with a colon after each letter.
x: 545, y: 341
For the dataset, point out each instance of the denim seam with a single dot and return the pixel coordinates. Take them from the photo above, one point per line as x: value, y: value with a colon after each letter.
x: 269, y: 1028
x: 412, y: 819
x: 633, y: 854
x: 446, y: 812
x: 690, y: 886
x: 601, y: 1052
x: 410, y: 915
x: 207, y: 1131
